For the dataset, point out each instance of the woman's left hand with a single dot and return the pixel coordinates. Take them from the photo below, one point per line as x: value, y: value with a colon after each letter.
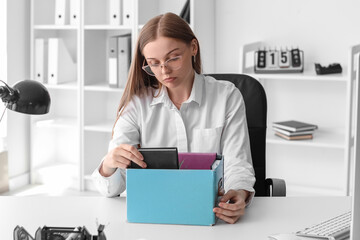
x: 232, y: 205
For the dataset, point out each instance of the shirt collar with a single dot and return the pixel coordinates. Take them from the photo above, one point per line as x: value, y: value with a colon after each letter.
x: 196, y: 92
x: 160, y: 96
x: 197, y: 89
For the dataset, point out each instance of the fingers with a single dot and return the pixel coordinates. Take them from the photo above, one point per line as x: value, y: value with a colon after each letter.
x: 227, y: 219
x: 122, y: 162
x: 229, y: 216
x: 122, y: 156
x: 130, y: 153
x: 229, y: 195
x: 231, y: 207
x: 230, y: 213
x: 132, y: 150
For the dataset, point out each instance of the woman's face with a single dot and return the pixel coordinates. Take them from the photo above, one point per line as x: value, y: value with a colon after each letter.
x: 170, y: 60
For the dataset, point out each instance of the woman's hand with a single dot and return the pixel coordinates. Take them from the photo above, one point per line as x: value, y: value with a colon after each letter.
x: 232, y: 205
x: 121, y: 157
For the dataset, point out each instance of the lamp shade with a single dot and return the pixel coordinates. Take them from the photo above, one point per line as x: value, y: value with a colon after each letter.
x: 31, y: 98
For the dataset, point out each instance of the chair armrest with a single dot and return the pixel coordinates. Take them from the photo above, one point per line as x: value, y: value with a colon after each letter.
x: 275, y: 187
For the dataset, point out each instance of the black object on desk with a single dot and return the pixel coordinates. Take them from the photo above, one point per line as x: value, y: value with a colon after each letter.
x: 332, y: 68
x: 59, y: 233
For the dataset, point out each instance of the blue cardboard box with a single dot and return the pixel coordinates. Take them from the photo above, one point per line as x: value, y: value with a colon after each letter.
x: 173, y: 196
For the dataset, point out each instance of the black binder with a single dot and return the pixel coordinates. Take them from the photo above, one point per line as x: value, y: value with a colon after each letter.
x: 159, y: 158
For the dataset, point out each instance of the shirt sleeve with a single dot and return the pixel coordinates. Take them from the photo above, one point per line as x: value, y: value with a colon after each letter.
x: 111, y: 186
x: 235, y: 144
x: 126, y: 131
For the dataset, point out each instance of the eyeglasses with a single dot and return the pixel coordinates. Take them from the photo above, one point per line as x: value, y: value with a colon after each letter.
x: 172, y: 64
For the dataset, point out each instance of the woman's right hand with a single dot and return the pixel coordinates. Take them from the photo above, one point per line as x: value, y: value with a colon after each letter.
x: 121, y: 157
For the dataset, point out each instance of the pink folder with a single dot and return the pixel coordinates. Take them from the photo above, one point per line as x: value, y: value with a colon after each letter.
x: 196, y: 160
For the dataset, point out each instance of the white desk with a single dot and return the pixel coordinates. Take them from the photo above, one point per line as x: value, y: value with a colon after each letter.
x: 264, y: 217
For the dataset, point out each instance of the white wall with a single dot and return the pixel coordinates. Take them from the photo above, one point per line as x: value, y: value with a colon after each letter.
x: 324, y: 29
x: 18, y: 47
x: 171, y: 6
x: 3, y: 67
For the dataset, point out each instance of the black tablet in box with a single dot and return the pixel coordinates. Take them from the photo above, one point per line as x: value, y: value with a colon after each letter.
x: 159, y: 158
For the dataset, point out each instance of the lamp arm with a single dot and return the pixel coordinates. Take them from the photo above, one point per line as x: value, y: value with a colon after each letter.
x: 4, y: 92
x: 11, y: 91
x: 7, y: 93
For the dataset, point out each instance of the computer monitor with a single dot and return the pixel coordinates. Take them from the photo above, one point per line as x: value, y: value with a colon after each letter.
x: 355, y: 223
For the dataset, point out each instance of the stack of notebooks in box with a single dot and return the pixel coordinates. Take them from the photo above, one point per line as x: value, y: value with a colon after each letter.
x: 294, y: 130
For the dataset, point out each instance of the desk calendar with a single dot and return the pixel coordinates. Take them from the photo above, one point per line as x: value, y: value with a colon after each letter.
x: 279, y: 61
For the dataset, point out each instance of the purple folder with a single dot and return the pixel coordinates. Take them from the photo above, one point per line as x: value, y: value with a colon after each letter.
x: 196, y: 160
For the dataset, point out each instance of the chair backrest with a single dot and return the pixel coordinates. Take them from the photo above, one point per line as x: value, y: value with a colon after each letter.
x: 256, y: 113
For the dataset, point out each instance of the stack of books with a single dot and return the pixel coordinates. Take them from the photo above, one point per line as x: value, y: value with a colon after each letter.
x: 294, y: 130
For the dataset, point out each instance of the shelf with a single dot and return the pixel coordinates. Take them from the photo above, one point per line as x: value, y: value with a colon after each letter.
x: 104, y: 126
x: 307, y: 75
x: 325, y: 138
x: 102, y: 87
x: 66, y: 86
x: 55, y: 27
x: 107, y: 27
x: 58, y: 123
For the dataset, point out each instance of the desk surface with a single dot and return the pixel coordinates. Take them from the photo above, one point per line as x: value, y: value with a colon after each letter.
x: 264, y: 217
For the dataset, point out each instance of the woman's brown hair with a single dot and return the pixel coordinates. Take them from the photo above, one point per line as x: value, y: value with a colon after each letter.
x: 167, y: 25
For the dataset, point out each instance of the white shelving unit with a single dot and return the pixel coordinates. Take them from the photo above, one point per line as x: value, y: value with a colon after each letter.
x: 326, y: 100
x: 70, y: 141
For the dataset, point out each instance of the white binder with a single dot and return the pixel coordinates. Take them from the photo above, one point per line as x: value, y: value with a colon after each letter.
x: 114, y: 12
x: 128, y: 13
x: 60, y: 12
x: 119, y: 57
x: 74, y: 12
x: 112, y: 62
x: 61, y: 67
x: 40, y: 59
x: 124, y: 58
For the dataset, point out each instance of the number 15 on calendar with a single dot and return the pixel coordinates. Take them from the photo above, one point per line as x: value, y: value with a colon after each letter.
x: 279, y: 61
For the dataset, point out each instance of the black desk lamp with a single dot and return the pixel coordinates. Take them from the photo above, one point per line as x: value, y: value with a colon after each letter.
x: 27, y: 96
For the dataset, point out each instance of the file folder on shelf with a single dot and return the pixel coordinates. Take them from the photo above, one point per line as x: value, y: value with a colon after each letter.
x: 40, y: 59
x: 124, y: 58
x: 74, y: 12
x: 114, y: 12
x: 112, y: 62
x: 128, y: 10
x: 61, y: 66
x: 60, y: 12
x: 119, y: 50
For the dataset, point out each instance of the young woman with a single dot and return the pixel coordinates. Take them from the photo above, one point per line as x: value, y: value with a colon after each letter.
x: 168, y: 103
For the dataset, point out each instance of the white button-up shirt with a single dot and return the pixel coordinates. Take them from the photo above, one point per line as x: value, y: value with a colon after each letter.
x: 211, y: 120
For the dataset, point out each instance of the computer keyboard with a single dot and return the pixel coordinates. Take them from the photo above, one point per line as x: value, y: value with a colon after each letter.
x: 336, y: 228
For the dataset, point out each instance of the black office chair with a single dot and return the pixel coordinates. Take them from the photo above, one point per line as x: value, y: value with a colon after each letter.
x: 256, y: 113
